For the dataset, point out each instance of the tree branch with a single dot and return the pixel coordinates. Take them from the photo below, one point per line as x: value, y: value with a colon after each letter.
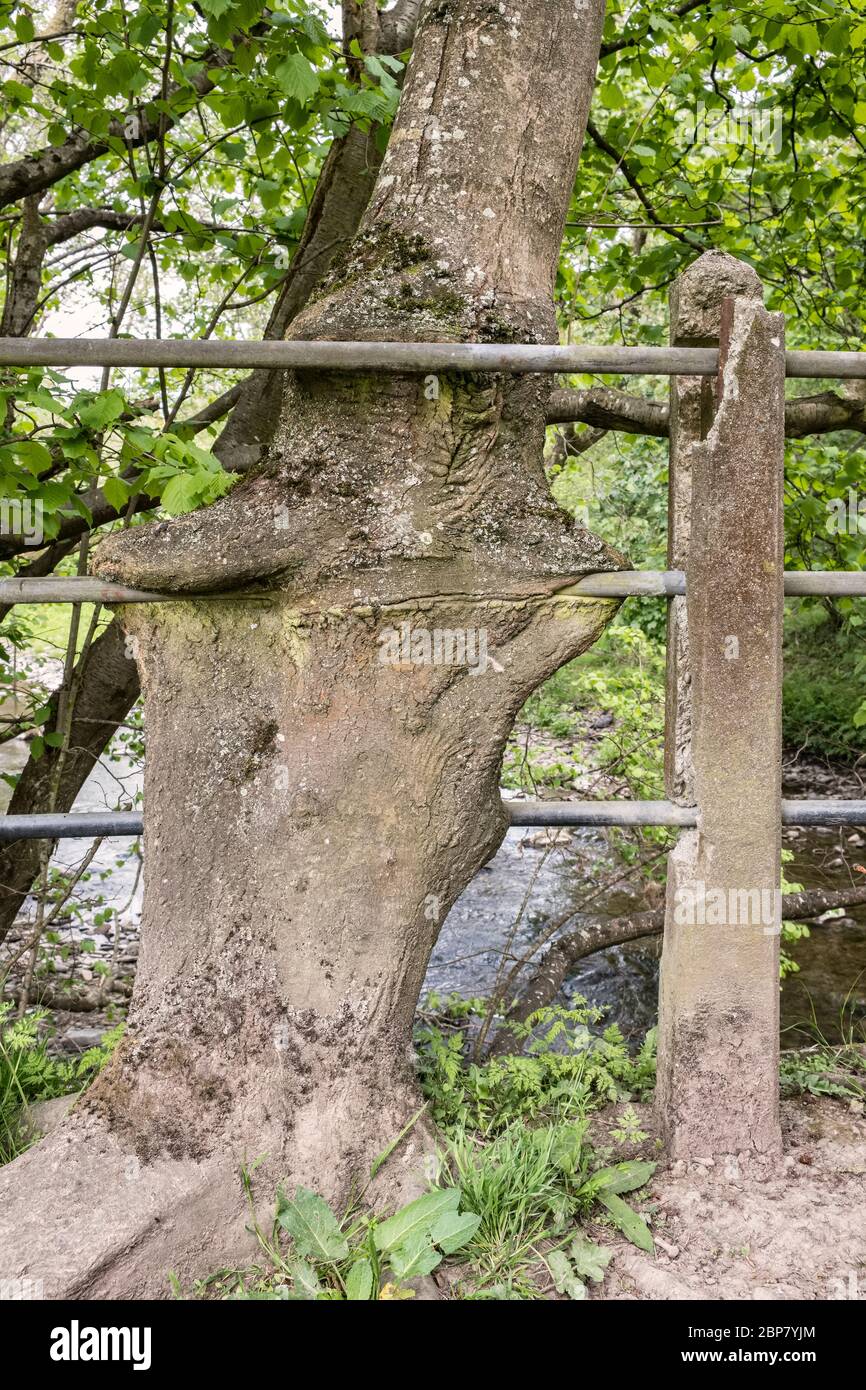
x: 397, y: 26
x: 71, y: 224
x: 22, y: 298
x: 604, y: 407
x: 600, y: 934
x: 21, y: 178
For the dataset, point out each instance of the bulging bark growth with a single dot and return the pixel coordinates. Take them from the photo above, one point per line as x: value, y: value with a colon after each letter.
x: 325, y: 736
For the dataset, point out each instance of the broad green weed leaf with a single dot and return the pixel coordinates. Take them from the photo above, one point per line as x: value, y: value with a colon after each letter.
x: 624, y: 1177
x: 419, y: 1216
x: 415, y: 1257
x: 359, y: 1282
x: 452, y: 1231
x: 633, y: 1227
x: 312, y: 1225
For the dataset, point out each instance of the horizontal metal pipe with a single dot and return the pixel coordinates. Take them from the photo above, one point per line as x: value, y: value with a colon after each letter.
x: 75, y: 825
x: 834, y: 583
x: 400, y: 357
x: 615, y: 584
x: 630, y: 584
x: 91, y: 824
x: 349, y: 356
x: 75, y: 590
x: 848, y: 366
x: 597, y: 813
x: 85, y: 589
x: 552, y: 813
x: 830, y: 811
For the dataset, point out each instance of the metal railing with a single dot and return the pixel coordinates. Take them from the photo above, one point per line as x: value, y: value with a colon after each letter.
x: 415, y: 358
x: 402, y: 357
x: 83, y: 825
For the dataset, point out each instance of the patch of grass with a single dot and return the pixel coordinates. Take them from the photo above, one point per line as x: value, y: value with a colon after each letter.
x: 830, y: 1069
x: 528, y: 1187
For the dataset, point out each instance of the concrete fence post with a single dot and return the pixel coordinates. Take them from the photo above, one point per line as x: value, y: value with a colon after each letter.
x: 719, y: 1001
x: 695, y: 319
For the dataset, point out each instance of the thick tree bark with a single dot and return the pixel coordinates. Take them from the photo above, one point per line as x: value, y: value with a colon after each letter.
x: 322, y: 780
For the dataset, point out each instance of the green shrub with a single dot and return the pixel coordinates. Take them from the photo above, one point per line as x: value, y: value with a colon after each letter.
x: 824, y: 685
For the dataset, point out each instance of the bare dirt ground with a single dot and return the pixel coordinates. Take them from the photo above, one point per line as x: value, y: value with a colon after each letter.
x: 750, y: 1228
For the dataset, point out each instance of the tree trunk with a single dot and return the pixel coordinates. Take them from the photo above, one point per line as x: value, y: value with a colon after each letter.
x: 324, y: 742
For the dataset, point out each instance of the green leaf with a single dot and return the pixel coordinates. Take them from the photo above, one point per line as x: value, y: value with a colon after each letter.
x: 116, y: 493
x: 34, y: 456
x: 304, y: 1279
x: 103, y: 410
x: 564, y: 1277
x: 419, y: 1217
x: 633, y: 1227
x: 181, y: 494
x: 297, y: 78
x: 415, y: 1257
x: 359, y: 1282
x: 625, y: 1177
x: 17, y: 91
x: 453, y: 1230
x: 312, y: 1226
x: 589, y: 1260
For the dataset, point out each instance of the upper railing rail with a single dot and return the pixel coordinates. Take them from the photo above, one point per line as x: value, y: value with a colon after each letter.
x: 401, y: 357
